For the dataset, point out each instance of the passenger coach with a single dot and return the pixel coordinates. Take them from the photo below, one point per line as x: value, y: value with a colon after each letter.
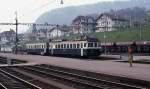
x: 83, y: 47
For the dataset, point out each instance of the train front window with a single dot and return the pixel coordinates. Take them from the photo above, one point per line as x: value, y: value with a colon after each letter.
x: 95, y: 44
x: 90, y: 44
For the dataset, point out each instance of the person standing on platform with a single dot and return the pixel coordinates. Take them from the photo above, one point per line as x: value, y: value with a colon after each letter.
x: 130, y: 51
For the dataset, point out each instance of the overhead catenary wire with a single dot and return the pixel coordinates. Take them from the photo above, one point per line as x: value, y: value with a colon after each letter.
x: 38, y: 8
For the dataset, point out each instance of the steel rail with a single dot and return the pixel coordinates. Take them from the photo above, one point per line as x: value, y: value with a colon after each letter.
x: 30, y: 85
x: 91, y: 78
x: 2, y: 86
x: 85, y: 77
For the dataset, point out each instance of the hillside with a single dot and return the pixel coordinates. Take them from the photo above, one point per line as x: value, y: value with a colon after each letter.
x: 67, y: 14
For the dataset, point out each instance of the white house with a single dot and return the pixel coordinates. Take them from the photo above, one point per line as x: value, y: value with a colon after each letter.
x: 59, y: 31
x: 109, y: 22
x: 7, y: 36
x: 83, y: 24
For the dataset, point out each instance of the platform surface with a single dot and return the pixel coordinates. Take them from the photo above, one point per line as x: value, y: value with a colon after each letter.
x: 138, y: 71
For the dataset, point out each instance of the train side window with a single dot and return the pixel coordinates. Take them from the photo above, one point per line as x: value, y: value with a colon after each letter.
x: 84, y: 44
x: 81, y: 45
x: 58, y: 45
x: 71, y: 46
x: 62, y: 46
x: 92, y: 44
x: 67, y: 45
x: 78, y: 46
x: 37, y: 46
x: 44, y: 46
x: 74, y: 45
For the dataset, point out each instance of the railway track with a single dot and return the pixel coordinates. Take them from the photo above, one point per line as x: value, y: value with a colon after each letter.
x: 29, y: 79
x: 9, y: 81
x: 77, y: 80
x: 13, y: 61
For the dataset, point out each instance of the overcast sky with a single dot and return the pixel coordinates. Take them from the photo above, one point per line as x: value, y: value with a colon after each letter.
x: 30, y: 10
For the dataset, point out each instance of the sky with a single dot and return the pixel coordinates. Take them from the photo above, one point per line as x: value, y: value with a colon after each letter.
x: 29, y: 10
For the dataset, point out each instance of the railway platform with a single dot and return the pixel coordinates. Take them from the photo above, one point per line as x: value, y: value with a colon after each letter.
x: 138, y: 71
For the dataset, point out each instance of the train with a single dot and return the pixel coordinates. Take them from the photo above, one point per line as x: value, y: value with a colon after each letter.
x: 83, y: 47
x: 139, y: 47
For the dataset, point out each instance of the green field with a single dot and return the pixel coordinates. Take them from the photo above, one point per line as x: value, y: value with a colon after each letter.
x: 122, y: 35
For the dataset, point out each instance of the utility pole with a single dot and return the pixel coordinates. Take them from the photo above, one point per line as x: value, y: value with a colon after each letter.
x: 105, y: 28
x: 105, y: 40
x: 16, y: 43
x: 57, y: 27
x: 140, y: 32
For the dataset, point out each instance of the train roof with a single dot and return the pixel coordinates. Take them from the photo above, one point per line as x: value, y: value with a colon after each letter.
x: 32, y: 42
x: 78, y: 39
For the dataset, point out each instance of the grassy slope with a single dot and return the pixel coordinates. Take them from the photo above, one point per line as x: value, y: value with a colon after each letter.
x: 130, y: 34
